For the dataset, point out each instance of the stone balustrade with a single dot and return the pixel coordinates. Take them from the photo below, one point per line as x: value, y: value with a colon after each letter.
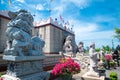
x: 50, y: 60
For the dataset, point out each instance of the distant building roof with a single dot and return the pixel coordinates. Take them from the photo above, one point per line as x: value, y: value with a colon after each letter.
x: 54, y: 23
x: 4, y: 14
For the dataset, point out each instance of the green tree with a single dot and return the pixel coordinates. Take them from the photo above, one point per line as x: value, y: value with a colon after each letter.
x: 117, y: 33
x: 106, y: 48
x: 97, y: 49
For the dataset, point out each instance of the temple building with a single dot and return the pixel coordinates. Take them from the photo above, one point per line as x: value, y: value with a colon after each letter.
x: 4, y: 19
x: 54, y: 35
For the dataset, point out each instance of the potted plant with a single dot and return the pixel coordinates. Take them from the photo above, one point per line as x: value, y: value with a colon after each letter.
x: 65, y: 69
x: 1, y: 77
x: 113, y: 75
x: 101, y: 68
x: 112, y: 64
x: 0, y: 74
x: 108, y: 58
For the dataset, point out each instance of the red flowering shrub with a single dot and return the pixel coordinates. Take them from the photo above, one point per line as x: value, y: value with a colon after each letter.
x: 108, y: 57
x: 66, y: 66
x: 1, y: 78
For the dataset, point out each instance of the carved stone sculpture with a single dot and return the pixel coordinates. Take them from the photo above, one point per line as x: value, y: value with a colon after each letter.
x: 81, y: 47
x: 37, y: 45
x: 19, y: 41
x: 18, y: 33
x: 93, y: 60
x: 93, y: 73
x: 69, y: 45
x: 23, y: 52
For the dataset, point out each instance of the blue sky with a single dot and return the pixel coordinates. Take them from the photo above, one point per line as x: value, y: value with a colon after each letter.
x: 93, y: 20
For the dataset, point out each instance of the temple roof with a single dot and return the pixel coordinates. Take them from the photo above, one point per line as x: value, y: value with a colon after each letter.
x: 54, y: 23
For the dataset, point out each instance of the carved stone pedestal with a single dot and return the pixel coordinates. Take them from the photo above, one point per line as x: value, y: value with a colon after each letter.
x: 87, y: 76
x: 25, y: 68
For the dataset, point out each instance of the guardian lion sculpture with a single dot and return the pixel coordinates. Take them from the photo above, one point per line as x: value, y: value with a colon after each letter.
x: 19, y: 41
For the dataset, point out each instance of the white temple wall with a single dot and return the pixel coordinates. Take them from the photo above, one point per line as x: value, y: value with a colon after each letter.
x: 56, y: 39
x: 3, y: 26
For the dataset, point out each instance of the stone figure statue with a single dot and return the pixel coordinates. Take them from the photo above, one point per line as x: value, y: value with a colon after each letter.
x: 102, y: 54
x: 80, y: 47
x: 19, y: 42
x: 93, y: 59
x: 69, y: 45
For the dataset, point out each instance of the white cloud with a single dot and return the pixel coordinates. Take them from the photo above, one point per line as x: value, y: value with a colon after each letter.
x: 89, y: 31
x: 38, y: 17
x: 78, y: 3
x: 83, y: 31
x: 39, y: 7
x: 2, y: 1
x: 97, y: 35
x: 103, y: 18
x: 81, y: 3
x: 83, y: 27
x: 100, y: 38
x: 22, y: 1
x: 58, y: 7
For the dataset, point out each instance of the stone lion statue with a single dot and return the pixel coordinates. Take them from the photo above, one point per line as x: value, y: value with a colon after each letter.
x: 19, y: 42
x: 37, y: 45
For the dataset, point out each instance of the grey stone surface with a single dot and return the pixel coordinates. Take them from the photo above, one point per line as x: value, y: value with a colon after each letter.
x: 70, y: 46
x: 19, y: 41
x: 24, y: 58
x: 26, y: 70
x: 84, y: 61
x: 93, y: 59
x: 35, y: 76
x: 81, y: 47
x: 37, y: 45
x: 23, y: 52
x: 117, y: 70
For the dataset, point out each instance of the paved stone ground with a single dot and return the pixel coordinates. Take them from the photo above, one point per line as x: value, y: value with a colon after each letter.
x: 113, y: 70
x: 78, y: 76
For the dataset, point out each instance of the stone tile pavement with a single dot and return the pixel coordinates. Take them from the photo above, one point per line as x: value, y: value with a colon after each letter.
x: 78, y: 76
x: 113, y: 70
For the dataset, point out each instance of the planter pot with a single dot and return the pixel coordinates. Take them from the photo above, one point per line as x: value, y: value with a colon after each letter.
x: 64, y: 77
x: 101, y: 70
